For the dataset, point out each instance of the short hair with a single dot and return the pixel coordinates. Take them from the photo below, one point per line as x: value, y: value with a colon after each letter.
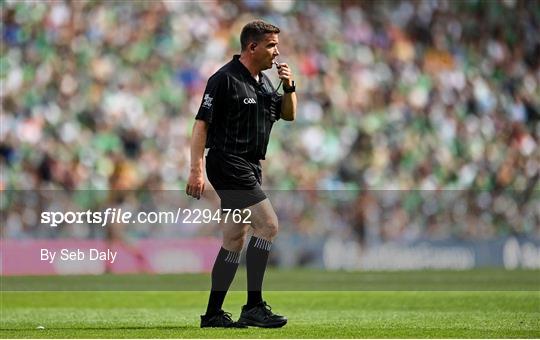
x: 255, y: 31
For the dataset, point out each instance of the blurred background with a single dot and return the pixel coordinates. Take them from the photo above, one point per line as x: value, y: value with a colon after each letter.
x: 415, y: 146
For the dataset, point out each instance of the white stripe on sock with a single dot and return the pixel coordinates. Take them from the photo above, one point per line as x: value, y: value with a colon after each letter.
x: 233, y: 257
x: 261, y: 243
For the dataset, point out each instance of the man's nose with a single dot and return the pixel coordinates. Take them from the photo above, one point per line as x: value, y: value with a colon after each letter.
x: 276, y: 52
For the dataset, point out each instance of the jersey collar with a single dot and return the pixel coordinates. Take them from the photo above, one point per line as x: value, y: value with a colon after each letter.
x: 243, y: 70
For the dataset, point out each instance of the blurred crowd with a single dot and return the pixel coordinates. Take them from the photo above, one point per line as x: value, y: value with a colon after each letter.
x: 415, y: 118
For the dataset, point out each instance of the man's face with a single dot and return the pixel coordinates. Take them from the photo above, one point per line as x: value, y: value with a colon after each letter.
x: 266, y: 51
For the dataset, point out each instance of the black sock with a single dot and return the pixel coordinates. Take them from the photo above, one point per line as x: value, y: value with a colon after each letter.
x: 256, y: 259
x: 222, y: 276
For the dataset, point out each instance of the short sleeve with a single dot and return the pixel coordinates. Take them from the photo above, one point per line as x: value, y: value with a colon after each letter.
x: 215, y: 92
x: 275, y: 99
x: 275, y: 109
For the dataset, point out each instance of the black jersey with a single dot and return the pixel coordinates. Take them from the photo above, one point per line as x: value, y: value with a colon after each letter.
x: 240, y: 111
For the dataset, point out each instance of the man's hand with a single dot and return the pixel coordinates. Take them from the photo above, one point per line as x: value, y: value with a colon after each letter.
x: 195, y: 184
x: 285, y: 74
x: 288, y: 105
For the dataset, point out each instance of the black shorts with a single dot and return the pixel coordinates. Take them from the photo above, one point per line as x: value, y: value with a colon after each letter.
x: 236, y: 180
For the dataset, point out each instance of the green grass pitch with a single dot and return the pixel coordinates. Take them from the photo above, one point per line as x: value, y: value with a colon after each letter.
x: 353, y: 305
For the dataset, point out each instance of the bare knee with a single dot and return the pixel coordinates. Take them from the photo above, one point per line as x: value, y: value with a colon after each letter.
x: 234, y: 242
x: 269, y: 230
x: 264, y: 220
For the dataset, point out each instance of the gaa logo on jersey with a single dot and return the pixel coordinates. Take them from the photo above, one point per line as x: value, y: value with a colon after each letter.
x: 207, y: 101
x: 249, y: 101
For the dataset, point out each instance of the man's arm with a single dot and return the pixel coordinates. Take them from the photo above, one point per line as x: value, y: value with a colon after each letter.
x: 195, y: 185
x: 288, y: 104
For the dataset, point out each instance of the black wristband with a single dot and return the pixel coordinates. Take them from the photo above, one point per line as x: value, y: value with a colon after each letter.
x: 289, y: 89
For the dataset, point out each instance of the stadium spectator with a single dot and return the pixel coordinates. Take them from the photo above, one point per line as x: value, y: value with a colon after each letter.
x: 437, y: 99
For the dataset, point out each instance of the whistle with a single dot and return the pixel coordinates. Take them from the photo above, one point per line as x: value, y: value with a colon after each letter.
x: 276, y: 63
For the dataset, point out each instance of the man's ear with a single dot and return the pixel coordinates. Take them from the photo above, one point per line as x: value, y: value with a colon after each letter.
x: 252, y: 46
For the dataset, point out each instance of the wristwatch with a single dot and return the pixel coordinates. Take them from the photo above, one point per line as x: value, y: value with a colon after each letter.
x: 289, y: 89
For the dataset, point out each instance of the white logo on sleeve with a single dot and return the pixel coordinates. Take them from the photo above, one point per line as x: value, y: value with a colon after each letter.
x: 207, y: 101
x: 249, y: 101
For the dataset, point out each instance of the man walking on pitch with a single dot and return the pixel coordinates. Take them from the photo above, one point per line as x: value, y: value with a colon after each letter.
x: 239, y: 107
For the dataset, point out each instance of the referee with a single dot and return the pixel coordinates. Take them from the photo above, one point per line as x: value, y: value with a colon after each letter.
x: 234, y: 121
